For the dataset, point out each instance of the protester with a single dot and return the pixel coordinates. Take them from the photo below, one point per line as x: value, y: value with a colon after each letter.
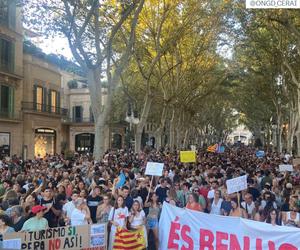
x: 137, y: 218
x: 37, y: 222
x: 44, y: 191
x: 118, y: 218
x: 103, y: 210
x: 80, y: 214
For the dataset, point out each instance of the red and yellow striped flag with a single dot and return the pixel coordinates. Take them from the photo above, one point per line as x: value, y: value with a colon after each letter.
x: 212, y: 148
x: 129, y: 240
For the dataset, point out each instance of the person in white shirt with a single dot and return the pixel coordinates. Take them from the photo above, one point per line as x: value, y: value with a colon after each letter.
x: 69, y: 207
x: 81, y: 213
x: 137, y: 218
x: 118, y: 218
x: 248, y: 205
x: 211, y: 192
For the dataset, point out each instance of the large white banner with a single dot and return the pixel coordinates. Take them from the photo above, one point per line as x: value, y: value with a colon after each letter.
x: 185, y: 229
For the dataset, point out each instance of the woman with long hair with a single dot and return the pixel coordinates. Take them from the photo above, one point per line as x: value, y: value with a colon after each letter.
x: 193, y: 202
x: 153, y: 216
x: 137, y: 218
x: 236, y: 210
x: 103, y: 210
x: 273, y: 217
x: 118, y: 218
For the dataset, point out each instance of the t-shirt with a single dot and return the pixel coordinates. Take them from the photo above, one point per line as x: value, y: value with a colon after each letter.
x: 50, y: 216
x: 68, y: 208
x: 35, y: 224
x: 118, y: 215
x: 78, y: 218
x: 195, y: 206
x: 161, y: 193
x: 93, y: 203
x: 128, y: 202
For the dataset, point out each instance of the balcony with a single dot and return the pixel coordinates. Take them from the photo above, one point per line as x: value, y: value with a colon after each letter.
x: 6, y: 115
x: 78, y: 120
x: 45, y: 109
x: 11, y: 70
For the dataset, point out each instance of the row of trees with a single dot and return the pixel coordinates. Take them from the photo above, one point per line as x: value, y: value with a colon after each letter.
x: 166, y: 58
x: 266, y: 66
x: 161, y: 55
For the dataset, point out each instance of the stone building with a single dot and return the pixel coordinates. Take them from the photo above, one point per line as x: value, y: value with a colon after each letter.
x: 11, y: 78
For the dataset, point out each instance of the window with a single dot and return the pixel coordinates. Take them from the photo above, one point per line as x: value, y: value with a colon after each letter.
x: 77, y: 113
x: 8, y: 13
x: 53, y: 101
x: 6, y: 55
x: 6, y: 101
x: 39, y: 98
x: 4, y: 12
x: 91, y: 115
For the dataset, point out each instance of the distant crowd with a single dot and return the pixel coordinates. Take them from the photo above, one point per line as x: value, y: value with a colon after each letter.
x: 52, y: 191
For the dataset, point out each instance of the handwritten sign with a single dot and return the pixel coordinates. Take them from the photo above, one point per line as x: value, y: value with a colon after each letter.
x: 154, y: 168
x: 187, y: 156
x: 286, y: 167
x: 236, y: 184
x: 79, y: 237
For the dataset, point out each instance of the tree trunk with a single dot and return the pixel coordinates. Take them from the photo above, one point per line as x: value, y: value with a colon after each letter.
x: 95, y: 88
x: 185, y: 139
x: 140, y: 126
x: 159, y: 130
x: 172, y: 130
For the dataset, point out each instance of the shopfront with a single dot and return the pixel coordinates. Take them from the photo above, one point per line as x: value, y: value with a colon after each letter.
x: 44, y: 142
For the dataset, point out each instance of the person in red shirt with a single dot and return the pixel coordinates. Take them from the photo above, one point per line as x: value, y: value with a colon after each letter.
x: 193, y: 203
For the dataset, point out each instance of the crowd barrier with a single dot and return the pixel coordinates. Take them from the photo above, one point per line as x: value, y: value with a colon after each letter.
x: 186, y: 229
x: 86, y: 237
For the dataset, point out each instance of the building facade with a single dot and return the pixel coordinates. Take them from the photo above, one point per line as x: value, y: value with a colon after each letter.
x: 41, y: 106
x: 11, y: 78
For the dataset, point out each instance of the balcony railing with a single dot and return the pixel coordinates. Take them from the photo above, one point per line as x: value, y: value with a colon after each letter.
x: 8, y: 115
x: 79, y: 120
x: 38, y: 107
x: 11, y: 69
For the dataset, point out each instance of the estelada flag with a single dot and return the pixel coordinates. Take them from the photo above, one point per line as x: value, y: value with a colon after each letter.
x: 212, y: 148
x: 129, y: 239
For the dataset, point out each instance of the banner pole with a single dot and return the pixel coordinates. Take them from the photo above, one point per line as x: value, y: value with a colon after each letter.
x: 149, y: 188
x: 238, y: 197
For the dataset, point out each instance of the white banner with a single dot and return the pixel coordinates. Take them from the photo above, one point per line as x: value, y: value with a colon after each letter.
x: 286, y: 167
x: 236, y: 184
x: 154, y: 168
x: 186, y: 229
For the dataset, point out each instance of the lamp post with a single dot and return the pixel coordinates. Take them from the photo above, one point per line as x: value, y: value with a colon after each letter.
x: 131, y: 118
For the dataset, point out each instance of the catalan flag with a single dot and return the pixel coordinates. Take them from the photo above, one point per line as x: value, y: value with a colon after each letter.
x: 212, y: 148
x: 129, y: 239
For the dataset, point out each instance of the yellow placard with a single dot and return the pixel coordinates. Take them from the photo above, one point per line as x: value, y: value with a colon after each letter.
x: 187, y: 156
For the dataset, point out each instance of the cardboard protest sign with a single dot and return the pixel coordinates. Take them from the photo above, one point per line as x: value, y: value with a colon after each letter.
x: 286, y: 167
x: 236, y: 184
x: 187, y: 156
x: 71, y: 237
x: 154, y: 168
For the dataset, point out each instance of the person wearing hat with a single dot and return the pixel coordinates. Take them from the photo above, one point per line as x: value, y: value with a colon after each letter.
x: 38, y: 222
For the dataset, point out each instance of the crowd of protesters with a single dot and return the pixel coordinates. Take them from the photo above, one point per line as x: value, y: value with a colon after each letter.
x: 53, y: 191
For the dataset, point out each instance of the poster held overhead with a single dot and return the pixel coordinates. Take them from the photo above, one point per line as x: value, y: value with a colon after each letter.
x: 154, y: 168
x: 187, y: 156
x: 236, y: 184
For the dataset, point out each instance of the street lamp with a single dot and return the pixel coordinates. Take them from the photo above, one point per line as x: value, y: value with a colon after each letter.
x: 131, y: 118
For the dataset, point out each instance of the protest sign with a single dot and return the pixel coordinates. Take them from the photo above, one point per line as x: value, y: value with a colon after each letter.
x: 154, y: 168
x: 187, y: 229
x: 236, y: 184
x: 71, y: 237
x: 286, y: 167
x: 260, y: 154
x: 187, y: 156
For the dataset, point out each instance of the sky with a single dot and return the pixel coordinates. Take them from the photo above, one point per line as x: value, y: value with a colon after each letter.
x: 57, y: 45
